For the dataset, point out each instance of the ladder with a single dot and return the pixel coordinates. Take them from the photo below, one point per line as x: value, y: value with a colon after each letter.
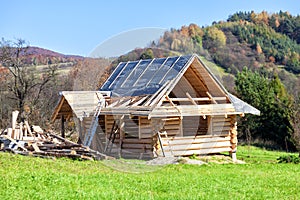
x: 112, y: 136
x: 94, y: 124
x: 159, y: 134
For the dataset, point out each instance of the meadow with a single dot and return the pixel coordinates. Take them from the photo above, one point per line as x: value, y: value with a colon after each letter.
x: 260, y: 178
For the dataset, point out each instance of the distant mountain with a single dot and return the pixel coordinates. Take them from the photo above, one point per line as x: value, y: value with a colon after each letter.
x: 40, y: 56
x: 48, y: 53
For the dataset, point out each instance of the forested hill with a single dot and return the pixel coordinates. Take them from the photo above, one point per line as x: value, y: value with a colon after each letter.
x: 245, y: 39
x: 258, y: 41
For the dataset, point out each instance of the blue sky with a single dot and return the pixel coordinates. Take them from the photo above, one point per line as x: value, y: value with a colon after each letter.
x: 78, y: 26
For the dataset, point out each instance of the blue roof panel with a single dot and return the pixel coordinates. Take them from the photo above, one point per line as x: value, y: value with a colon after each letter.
x: 145, y: 76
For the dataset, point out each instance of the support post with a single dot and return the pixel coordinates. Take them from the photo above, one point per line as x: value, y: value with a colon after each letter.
x: 233, y: 138
x: 63, y: 126
x: 121, y: 135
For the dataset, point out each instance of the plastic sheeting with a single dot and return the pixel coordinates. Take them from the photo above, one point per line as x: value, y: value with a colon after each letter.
x: 241, y: 106
x: 144, y: 77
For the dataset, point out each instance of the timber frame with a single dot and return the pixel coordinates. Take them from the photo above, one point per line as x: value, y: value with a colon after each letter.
x: 170, y: 106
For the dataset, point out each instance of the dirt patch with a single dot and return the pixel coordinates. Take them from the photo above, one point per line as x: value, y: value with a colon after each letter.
x: 199, y: 160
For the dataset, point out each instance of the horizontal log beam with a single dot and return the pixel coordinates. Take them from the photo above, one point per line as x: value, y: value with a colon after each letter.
x: 187, y: 140
x: 209, y: 145
x: 196, y: 152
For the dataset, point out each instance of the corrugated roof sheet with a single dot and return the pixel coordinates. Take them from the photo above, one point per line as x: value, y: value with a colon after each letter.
x: 241, y: 106
x: 144, y: 77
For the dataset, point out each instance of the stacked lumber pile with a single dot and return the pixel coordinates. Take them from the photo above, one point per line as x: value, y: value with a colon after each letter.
x: 32, y: 140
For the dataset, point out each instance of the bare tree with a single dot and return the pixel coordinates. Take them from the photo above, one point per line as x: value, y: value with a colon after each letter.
x: 87, y: 73
x: 25, y: 82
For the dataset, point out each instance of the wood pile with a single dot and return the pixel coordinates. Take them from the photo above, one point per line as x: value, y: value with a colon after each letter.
x: 32, y: 140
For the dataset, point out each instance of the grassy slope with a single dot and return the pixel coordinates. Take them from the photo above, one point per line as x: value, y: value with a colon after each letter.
x: 62, y: 68
x: 36, y: 178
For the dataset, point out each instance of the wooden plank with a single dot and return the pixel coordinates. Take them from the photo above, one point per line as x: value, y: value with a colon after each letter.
x: 209, y: 145
x: 16, y: 134
x: 26, y: 138
x: 28, y: 128
x: 144, y: 135
x: 223, y: 133
x: 219, y: 124
x: 217, y: 129
x: 221, y: 119
x: 146, y: 131
x: 14, y: 122
x: 136, y: 146
x: 157, y: 95
x: 173, y: 122
x: 139, y: 101
x: 57, y: 109
x: 196, y: 99
x: 145, y: 123
x: 183, y: 140
x: 169, y: 100
x: 136, y: 140
x: 190, y: 98
x: 35, y: 147
x: 199, y: 151
x: 173, y: 133
x: 21, y: 131
x: 147, y: 151
x: 171, y: 126
x: 209, y: 109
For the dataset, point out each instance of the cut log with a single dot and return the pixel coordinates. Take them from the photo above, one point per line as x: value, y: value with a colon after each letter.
x: 28, y: 128
x: 35, y: 147
x: 14, y: 119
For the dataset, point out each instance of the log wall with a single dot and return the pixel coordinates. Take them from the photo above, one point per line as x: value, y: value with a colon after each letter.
x: 221, y: 137
x: 136, y: 139
x: 199, y: 145
x: 194, y: 125
x: 139, y: 138
x: 219, y: 125
x: 173, y: 126
x: 145, y: 128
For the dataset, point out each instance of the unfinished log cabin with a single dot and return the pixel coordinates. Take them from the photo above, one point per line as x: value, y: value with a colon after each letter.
x: 172, y: 106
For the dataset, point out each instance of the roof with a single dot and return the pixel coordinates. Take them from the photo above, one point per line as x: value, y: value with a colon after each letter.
x: 80, y: 103
x: 151, y: 78
x: 144, y: 77
x: 241, y: 106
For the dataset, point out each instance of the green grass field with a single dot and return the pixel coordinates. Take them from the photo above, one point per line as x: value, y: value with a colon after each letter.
x: 261, y: 178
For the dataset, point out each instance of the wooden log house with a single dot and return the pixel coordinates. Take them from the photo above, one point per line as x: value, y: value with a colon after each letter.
x: 171, y: 106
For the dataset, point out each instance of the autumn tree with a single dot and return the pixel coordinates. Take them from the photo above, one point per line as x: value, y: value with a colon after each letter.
x: 214, y: 38
x: 25, y: 83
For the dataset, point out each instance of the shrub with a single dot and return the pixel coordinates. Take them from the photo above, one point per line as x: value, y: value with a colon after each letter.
x: 289, y: 159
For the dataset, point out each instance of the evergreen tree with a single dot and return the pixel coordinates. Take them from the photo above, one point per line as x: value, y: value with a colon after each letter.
x: 271, y: 98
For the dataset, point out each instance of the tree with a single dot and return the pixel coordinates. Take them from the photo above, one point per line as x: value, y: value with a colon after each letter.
x: 214, y: 38
x: 296, y: 126
x: 86, y: 74
x: 148, y: 54
x: 266, y: 93
x: 25, y: 83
